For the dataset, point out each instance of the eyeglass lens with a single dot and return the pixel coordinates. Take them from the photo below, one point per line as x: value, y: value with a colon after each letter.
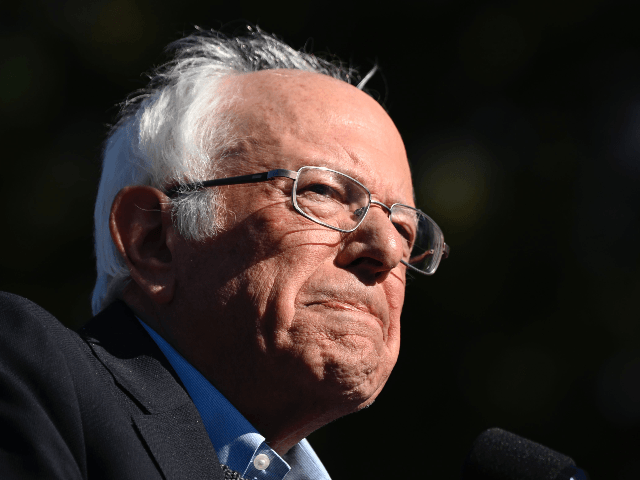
x: 331, y: 198
x: 338, y: 201
x: 424, y: 241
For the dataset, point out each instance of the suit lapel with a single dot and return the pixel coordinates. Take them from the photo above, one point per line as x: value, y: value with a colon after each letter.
x: 161, y: 410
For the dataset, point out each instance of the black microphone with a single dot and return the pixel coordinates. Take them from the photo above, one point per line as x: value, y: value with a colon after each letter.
x: 500, y: 455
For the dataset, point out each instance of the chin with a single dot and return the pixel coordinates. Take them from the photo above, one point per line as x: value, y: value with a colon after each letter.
x: 368, y: 403
x: 348, y: 373
x: 355, y: 400
x: 357, y: 385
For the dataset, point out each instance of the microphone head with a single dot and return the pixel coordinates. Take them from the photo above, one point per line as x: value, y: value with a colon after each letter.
x: 500, y: 455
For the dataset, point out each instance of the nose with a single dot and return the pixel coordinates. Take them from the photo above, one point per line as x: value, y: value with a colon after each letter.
x: 374, y: 249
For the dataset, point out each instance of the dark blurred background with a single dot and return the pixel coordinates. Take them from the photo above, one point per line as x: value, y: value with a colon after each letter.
x: 522, y: 123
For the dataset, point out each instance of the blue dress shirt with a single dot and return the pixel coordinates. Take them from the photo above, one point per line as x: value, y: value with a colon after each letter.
x: 238, y: 444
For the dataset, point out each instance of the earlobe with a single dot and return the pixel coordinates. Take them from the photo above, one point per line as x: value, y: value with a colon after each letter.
x: 142, y: 231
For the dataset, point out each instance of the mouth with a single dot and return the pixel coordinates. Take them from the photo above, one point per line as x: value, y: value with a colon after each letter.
x: 348, y: 307
x: 346, y: 302
x: 343, y: 305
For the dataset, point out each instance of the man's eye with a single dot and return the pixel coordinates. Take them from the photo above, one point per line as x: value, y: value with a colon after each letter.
x: 359, y: 213
x: 319, y: 189
x: 406, y: 233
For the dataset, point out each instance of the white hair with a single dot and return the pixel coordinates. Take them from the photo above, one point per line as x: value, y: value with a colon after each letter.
x: 174, y: 132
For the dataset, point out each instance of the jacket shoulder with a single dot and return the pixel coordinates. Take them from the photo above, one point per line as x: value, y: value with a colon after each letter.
x: 100, y: 403
x: 39, y: 414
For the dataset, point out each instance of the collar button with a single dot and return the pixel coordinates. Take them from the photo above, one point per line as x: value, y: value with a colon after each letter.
x: 261, y: 462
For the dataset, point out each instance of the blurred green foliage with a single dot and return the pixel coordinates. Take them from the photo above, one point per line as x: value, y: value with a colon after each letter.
x: 521, y: 121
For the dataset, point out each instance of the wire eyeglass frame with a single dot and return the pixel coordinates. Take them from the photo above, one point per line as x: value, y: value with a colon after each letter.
x: 295, y: 175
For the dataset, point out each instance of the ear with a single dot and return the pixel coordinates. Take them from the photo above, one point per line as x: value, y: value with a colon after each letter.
x: 143, y: 233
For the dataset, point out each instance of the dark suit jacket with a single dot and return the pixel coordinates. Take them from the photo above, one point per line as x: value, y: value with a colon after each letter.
x: 103, y: 403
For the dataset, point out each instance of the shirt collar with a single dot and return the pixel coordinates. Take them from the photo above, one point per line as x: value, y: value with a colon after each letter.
x: 238, y: 444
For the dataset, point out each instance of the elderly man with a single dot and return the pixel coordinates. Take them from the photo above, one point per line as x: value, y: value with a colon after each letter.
x: 254, y: 227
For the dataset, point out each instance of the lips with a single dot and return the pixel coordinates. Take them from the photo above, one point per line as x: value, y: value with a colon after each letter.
x: 364, y: 303
x: 344, y: 294
x: 342, y: 305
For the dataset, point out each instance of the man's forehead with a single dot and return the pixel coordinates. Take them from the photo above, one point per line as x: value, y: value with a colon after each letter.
x: 295, y: 98
x: 320, y: 121
x: 298, y: 85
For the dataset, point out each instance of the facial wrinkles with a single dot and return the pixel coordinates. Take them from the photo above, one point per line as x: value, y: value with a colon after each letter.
x: 310, y: 247
x: 390, y: 179
x: 345, y: 293
x: 289, y: 133
x: 276, y: 121
x: 388, y: 187
x: 324, y: 285
x: 363, y: 150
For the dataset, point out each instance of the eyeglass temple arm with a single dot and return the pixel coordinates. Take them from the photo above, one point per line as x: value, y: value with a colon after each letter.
x: 218, y: 182
x: 445, y: 251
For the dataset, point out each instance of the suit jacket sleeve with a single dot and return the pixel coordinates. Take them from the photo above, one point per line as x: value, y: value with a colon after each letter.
x: 104, y: 405
x: 39, y: 414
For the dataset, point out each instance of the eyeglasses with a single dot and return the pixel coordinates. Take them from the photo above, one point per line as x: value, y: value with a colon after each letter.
x: 341, y: 203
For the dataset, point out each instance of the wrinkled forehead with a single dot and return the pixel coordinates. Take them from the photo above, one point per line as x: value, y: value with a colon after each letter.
x: 312, y: 118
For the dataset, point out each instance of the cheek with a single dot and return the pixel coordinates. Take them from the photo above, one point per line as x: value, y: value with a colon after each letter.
x: 394, y: 289
x: 274, y: 284
x: 345, y: 352
x: 346, y: 357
